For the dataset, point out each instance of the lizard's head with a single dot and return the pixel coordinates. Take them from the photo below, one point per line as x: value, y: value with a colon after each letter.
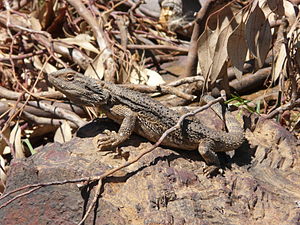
x: 79, y: 88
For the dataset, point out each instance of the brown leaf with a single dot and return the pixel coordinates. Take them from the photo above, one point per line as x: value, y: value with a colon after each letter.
x: 237, y: 49
x: 258, y: 34
x: 276, y: 6
x: 212, y: 44
x: 222, y: 14
x: 97, y: 67
x: 63, y: 133
x: 83, y: 41
x: 280, y: 60
x: 46, y: 67
x: 264, y: 39
x: 297, y: 56
x: 141, y: 75
x: 3, y: 175
x: 46, y: 14
x: 254, y: 22
x: 220, y: 55
x: 290, y: 11
x: 35, y: 23
x: 3, y: 144
x: 15, y: 140
x: 56, y: 26
x: 280, y: 64
x: 204, y: 48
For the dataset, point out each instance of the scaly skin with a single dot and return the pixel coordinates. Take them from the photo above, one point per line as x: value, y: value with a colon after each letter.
x: 147, y: 117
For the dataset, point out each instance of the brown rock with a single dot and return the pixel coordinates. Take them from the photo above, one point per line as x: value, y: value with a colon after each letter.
x: 259, y: 185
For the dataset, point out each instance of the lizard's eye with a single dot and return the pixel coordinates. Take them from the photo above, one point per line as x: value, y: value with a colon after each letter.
x: 70, y: 76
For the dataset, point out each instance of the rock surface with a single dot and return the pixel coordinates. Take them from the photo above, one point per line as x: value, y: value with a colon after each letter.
x: 260, y: 185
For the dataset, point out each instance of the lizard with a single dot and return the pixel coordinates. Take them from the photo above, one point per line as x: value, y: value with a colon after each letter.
x: 139, y: 113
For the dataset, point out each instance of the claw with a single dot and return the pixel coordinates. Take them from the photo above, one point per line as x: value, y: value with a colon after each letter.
x: 211, y: 171
x: 107, y: 140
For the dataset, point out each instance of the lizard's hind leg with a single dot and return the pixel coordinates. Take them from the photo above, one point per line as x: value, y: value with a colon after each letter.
x: 206, y: 150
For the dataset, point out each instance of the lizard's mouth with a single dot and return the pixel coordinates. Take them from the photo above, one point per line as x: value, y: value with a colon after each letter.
x: 53, y: 81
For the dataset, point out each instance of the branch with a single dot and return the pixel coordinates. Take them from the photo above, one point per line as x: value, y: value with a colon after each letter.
x: 281, y: 109
x: 62, y: 113
x: 192, y: 60
x: 164, y: 89
x: 158, y: 47
x: 12, y: 95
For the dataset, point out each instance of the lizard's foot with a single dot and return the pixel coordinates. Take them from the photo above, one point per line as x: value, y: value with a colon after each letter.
x: 212, y: 170
x: 107, y: 140
x: 206, y: 149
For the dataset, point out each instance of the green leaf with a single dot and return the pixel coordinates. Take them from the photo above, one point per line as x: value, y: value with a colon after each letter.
x: 27, y: 142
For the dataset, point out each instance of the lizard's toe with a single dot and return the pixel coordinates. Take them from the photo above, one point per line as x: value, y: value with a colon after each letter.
x: 107, y: 140
x: 211, y: 171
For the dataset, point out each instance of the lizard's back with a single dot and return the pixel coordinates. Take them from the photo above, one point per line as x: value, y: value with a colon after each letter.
x: 154, y: 119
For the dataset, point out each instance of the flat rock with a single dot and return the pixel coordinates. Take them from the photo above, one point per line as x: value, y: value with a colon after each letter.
x: 260, y: 184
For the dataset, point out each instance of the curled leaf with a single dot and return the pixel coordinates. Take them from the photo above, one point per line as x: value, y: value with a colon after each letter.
x: 15, y: 140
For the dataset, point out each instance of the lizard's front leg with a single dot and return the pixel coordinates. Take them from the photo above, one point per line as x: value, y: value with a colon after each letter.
x: 112, y: 138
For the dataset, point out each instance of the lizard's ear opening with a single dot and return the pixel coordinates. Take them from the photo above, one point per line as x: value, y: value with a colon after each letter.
x: 70, y: 76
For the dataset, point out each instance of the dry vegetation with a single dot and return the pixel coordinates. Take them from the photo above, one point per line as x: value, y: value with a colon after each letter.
x: 248, y: 48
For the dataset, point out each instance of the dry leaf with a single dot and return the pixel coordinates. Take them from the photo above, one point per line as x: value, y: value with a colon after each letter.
x: 15, y: 140
x: 280, y: 61
x: 213, y: 39
x: 205, y: 42
x: 264, y: 40
x: 140, y: 75
x: 220, y: 55
x: 63, y: 133
x: 222, y: 16
x: 276, y: 6
x: 237, y: 49
x: 3, y: 175
x: 48, y: 68
x: 3, y: 144
x: 35, y: 23
x: 96, y: 68
x: 83, y: 41
x: 290, y: 11
x: 16, y: 19
x: 258, y: 34
x: 40, y: 130
x: 154, y: 78
x: 297, y: 56
x: 57, y: 25
x: 255, y: 21
x: 212, y: 44
x: 46, y: 13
